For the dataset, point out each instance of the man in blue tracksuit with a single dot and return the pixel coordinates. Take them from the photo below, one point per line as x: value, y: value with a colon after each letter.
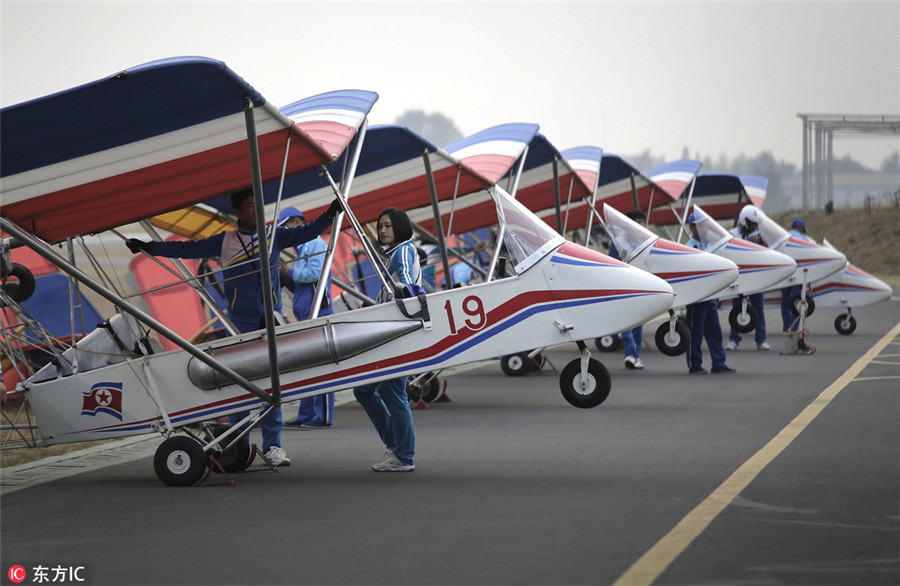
x: 703, y: 319
x: 789, y: 321
x: 386, y: 403
x: 238, y: 252
x: 301, y: 279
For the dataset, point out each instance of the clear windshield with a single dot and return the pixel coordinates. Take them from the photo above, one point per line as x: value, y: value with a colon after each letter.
x: 772, y: 233
x: 711, y: 231
x: 629, y: 237
x: 526, y: 238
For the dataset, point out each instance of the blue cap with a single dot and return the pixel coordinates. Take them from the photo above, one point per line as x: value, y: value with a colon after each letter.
x: 798, y: 223
x: 289, y: 213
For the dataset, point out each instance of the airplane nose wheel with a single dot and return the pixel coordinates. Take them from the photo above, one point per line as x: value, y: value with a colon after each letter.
x: 585, y: 391
x: 797, y: 302
x: 743, y: 321
x: 845, y: 324
x: 180, y: 461
x: 673, y: 339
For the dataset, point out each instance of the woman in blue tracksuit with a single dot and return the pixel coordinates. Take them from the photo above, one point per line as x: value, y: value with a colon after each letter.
x: 790, y: 322
x: 243, y: 283
x: 703, y: 320
x: 386, y: 403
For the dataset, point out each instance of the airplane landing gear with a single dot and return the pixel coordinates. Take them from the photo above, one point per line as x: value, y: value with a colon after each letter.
x: 743, y: 318
x: 180, y: 461
x: 520, y: 364
x: 673, y: 337
x: 609, y: 343
x: 235, y: 458
x: 585, y: 382
x: 845, y: 324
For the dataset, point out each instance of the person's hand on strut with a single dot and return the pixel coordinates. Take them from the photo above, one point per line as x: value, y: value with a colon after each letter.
x: 136, y: 246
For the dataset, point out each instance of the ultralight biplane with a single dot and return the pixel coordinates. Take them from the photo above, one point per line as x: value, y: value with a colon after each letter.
x: 693, y: 274
x: 174, y: 133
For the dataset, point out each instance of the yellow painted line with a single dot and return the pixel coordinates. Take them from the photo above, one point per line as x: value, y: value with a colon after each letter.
x: 868, y: 378
x: 653, y: 563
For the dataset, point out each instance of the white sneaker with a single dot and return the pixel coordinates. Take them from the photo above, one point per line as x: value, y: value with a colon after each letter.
x: 731, y: 345
x: 277, y: 456
x: 630, y: 362
x: 393, y: 464
x: 638, y: 364
x: 763, y: 346
x: 388, y: 457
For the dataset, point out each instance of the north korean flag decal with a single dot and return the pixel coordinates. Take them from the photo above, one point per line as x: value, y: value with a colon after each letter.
x: 103, y: 398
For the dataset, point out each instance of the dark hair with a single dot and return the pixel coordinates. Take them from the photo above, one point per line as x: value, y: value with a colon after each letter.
x: 636, y: 215
x: 239, y: 197
x: 400, y: 222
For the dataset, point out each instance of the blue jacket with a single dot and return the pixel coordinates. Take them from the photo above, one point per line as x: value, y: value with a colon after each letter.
x: 403, y: 267
x: 304, y: 275
x: 242, y: 282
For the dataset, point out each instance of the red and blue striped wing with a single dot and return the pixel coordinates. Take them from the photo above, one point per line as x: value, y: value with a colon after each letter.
x: 151, y: 139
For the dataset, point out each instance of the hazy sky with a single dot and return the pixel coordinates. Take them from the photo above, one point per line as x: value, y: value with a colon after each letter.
x: 717, y: 77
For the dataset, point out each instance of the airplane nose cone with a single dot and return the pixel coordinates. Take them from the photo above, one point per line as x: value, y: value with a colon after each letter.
x: 760, y: 268
x: 817, y: 260
x: 693, y: 274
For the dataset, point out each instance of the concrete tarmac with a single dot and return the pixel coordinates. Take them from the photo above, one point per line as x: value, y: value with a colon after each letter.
x: 787, y: 472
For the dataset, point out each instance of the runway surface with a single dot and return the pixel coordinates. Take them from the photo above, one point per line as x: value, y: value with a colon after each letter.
x: 787, y: 472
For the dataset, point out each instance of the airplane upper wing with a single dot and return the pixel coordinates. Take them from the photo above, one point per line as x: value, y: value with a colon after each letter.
x: 719, y: 194
x: 392, y: 172
x: 755, y: 186
x: 673, y: 178
x: 152, y: 139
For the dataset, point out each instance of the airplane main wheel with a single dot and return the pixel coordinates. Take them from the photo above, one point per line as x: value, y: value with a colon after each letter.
x: 428, y: 389
x: 795, y: 305
x: 673, y: 342
x: 234, y: 458
x: 19, y: 283
x: 609, y: 343
x: 519, y: 364
x: 743, y: 322
x: 180, y: 461
x: 587, y: 393
x: 845, y: 324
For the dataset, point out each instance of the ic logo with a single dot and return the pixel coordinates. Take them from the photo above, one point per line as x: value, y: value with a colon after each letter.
x: 16, y: 574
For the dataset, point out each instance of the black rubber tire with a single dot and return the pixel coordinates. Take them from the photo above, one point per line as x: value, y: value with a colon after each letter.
x: 519, y: 364
x: 597, y: 390
x: 180, y: 461
x: 743, y: 323
x: 673, y: 343
x: 235, y: 458
x: 609, y: 343
x: 429, y: 391
x: 810, y: 305
x: 22, y: 286
x: 845, y: 324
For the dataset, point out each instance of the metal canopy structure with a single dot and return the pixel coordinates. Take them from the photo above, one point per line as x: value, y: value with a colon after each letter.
x: 819, y: 131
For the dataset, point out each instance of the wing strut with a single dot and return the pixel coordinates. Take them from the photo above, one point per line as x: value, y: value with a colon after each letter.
x: 265, y: 271
x: 336, y: 228
x: 432, y: 190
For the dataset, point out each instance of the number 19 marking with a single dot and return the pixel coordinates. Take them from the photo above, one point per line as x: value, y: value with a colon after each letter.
x: 472, y: 307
